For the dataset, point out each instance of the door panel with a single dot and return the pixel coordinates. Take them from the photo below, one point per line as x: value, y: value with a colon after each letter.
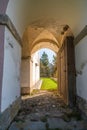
x: 62, y: 72
x: 66, y: 71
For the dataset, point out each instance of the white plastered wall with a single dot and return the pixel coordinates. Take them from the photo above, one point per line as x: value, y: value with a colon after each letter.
x: 11, y: 72
x: 30, y: 71
x: 81, y: 56
x: 12, y: 56
x: 36, y: 68
x: 81, y: 68
x: 71, y: 12
x: 16, y: 10
x: 25, y: 72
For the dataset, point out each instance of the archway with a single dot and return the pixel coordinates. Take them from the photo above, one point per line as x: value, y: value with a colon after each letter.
x: 49, y: 25
x: 44, y: 39
x: 54, y: 28
x: 48, y: 69
x: 35, y: 38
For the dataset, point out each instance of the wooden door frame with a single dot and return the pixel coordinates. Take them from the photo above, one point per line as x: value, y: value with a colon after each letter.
x: 70, y: 81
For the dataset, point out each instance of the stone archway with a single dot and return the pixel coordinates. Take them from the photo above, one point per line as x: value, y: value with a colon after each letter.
x: 35, y: 38
x: 45, y: 39
x: 75, y: 8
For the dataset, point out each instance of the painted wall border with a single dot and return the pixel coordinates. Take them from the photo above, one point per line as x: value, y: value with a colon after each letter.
x: 3, y: 7
x: 8, y: 115
x: 1, y: 59
x: 80, y: 36
x: 5, y: 20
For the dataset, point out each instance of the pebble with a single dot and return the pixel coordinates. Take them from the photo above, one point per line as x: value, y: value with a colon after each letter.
x: 46, y: 111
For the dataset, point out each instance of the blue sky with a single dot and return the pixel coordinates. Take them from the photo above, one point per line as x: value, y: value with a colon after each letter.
x: 49, y: 52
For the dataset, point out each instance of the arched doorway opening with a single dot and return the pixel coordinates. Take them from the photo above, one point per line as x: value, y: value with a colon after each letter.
x: 44, y: 39
x: 36, y: 28
x: 48, y: 58
x: 66, y: 17
x: 29, y: 43
x: 48, y: 69
x: 35, y: 38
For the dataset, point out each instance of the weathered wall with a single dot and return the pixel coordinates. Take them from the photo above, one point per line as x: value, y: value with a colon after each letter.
x: 1, y: 58
x: 3, y: 6
x: 81, y: 60
x: 16, y: 11
x: 8, y: 115
x: 36, y: 68
x: 25, y: 76
x: 26, y: 11
x: 30, y: 74
x: 81, y: 68
x: 11, y: 72
x: 81, y: 71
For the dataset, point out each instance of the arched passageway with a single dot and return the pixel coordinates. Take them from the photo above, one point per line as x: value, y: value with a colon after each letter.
x: 46, y: 37
x: 20, y: 19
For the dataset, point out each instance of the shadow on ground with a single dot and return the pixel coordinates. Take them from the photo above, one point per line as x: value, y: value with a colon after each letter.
x: 44, y: 110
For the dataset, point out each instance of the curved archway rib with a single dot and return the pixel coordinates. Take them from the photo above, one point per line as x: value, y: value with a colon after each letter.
x: 41, y: 46
x: 45, y: 40
x: 45, y: 43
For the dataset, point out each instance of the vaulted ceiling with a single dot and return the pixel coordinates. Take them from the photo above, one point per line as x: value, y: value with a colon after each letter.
x: 70, y: 12
x: 36, y: 18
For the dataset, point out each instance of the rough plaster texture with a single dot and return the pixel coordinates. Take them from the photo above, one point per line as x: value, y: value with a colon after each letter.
x: 30, y: 73
x: 1, y: 59
x: 8, y: 115
x: 61, y: 10
x: 3, y: 6
x: 25, y: 73
x: 36, y: 68
x: 11, y: 71
x: 82, y: 104
x: 81, y: 68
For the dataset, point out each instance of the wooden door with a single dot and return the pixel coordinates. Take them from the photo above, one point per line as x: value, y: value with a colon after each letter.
x: 66, y: 72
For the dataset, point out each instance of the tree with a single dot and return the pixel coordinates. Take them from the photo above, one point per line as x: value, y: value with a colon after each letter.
x: 44, y: 59
x: 44, y: 65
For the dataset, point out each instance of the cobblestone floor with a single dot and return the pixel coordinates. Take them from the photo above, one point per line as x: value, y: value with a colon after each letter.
x: 44, y: 110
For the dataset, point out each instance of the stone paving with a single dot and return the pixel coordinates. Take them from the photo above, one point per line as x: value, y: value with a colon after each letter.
x: 46, y: 111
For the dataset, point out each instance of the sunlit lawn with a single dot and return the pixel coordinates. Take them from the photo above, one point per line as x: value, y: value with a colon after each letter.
x: 48, y: 84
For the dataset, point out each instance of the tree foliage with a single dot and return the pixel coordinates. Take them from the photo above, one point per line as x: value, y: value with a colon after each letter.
x: 44, y: 65
x: 44, y: 59
x: 48, y: 69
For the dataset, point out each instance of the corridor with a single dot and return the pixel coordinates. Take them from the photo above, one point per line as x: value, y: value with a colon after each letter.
x: 44, y: 110
x: 26, y: 26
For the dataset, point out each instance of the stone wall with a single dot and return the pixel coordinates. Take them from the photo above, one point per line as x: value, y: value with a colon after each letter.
x: 11, y: 70
x: 82, y: 104
x: 81, y: 69
x: 10, y: 92
x: 30, y: 73
x: 25, y: 90
x: 8, y: 115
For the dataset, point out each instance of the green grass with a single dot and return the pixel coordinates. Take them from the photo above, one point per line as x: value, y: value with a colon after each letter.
x: 48, y: 84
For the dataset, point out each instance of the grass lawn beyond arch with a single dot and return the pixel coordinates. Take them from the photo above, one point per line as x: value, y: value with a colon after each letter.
x: 48, y: 84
